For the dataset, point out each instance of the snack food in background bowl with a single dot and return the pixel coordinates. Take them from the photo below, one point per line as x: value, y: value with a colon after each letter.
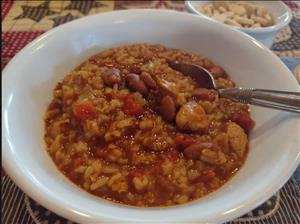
x: 238, y: 13
x: 260, y: 19
x: 30, y: 78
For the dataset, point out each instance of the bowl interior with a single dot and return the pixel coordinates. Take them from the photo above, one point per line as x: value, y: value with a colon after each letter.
x: 280, y: 12
x: 30, y: 77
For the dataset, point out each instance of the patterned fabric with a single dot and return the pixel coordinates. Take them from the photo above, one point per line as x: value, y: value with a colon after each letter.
x: 23, y: 21
x: 282, y: 208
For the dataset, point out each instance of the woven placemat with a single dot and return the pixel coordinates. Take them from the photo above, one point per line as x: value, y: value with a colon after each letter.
x: 282, y: 208
x: 22, y: 21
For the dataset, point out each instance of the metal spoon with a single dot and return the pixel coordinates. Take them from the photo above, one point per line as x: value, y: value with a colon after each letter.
x: 280, y: 100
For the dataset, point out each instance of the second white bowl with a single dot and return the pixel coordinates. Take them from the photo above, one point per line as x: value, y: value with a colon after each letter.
x: 266, y: 35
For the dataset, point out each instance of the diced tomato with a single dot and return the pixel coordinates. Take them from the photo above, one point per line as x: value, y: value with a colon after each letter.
x: 206, y: 176
x: 156, y: 169
x: 135, y: 173
x: 131, y: 106
x: 101, y: 152
x: 78, y: 161
x: 244, y: 120
x: 173, y: 155
x: 181, y: 141
x: 73, y: 176
x: 135, y: 69
x: 84, y: 110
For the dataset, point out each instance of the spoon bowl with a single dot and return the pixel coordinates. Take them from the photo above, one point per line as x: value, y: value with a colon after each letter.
x: 201, y: 76
x: 280, y: 100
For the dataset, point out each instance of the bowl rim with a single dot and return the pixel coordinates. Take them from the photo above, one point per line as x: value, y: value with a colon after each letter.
x: 30, y: 187
x: 189, y: 5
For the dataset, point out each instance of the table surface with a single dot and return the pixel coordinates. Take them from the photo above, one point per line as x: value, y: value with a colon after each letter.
x: 23, y: 21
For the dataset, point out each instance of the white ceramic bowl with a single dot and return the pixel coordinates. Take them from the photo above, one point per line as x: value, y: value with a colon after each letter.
x: 29, y: 78
x: 280, y: 11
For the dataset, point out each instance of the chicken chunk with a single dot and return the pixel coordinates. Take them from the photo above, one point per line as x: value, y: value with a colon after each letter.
x: 213, y: 157
x: 237, y: 138
x: 191, y: 117
x: 140, y: 183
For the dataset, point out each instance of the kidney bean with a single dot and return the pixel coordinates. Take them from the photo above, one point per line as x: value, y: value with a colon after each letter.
x: 244, y: 120
x: 135, y: 69
x: 182, y: 141
x: 136, y: 84
x: 111, y: 76
x: 167, y: 108
x: 205, y: 94
x: 194, y: 151
x: 207, y: 63
x: 148, y: 80
x: 217, y: 71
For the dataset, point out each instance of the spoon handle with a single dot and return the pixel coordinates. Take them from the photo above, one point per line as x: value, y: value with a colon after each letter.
x: 281, y: 100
